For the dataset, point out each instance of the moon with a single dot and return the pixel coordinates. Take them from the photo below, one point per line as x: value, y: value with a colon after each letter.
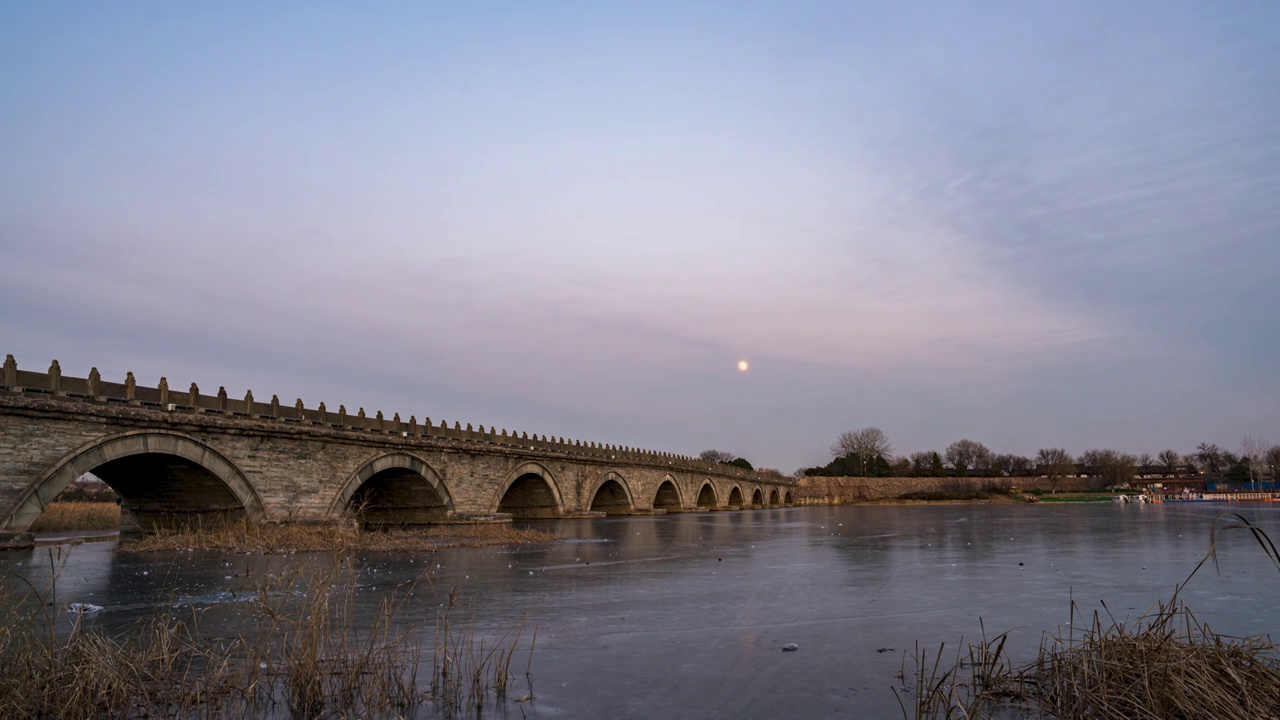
x: 743, y: 365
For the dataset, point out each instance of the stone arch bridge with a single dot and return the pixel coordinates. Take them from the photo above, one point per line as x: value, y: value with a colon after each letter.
x: 184, y: 457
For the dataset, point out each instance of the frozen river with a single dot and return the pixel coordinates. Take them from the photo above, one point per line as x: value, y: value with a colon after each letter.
x: 686, y: 615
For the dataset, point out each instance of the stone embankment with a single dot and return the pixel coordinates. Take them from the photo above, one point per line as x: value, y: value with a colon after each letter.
x: 843, y: 490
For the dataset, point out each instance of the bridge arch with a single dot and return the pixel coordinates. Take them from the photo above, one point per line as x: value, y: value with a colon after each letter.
x: 395, y: 489
x: 195, y: 481
x: 787, y: 499
x: 668, y: 497
x: 707, y: 496
x: 529, y: 491
x: 735, y: 498
x: 611, y: 495
x: 773, y: 497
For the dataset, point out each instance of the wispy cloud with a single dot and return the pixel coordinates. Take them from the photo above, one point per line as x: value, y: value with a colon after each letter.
x: 1036, y: 224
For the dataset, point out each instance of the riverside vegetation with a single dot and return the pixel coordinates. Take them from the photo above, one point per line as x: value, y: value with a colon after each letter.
x: 78, y: 515
x: 298, y: 648
x: 264, y: 537
x: 868, y: 452
x: 1165, y: 665
x: 260, y: 537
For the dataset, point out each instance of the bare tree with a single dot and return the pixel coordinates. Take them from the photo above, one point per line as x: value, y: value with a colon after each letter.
x: 965, y: 455
x: 1273, y: 461
x: 717, y: 456
x: 926, y: 464
x: 1056, y: 464
x: 1012, y: 465
x: 1189, y: 461
x: 920, y: 464
x: 1145, y: 462
x: 1254, y: 449
x: 1003, y: 463
x: 1110, y: 467
x: 864, y: 444
x: 901, y: 466
x: 1210, y: 457
x: 1021, y: 466
x: 1169, y: 458
x: 1092, y: 461
x: 1122, y: 470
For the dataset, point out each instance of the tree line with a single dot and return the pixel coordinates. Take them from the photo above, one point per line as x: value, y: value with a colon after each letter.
x: 867, y: 452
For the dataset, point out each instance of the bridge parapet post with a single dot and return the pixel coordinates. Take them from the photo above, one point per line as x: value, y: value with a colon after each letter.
x: 10, y: 371
x: 222, y: 399
x: 130, y: 389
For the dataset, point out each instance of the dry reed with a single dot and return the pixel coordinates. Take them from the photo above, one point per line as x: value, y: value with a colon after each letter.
x: 247, y: 536
x: 61, y: 516
x: 305, y: 650
x: 1164, y: 665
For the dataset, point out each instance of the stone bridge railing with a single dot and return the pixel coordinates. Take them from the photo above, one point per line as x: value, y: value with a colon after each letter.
x: 94, y: 389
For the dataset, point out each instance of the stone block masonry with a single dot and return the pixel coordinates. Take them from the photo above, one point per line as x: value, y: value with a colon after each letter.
x: 184, y: 457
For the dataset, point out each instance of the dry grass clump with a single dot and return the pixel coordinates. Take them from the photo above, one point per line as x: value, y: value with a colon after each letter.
x: 465, y: 671
x: 304, y: 649
x: 78, y: 515
x: 1170, y: 666
x: 1165, y: 665
x: 161, y: 669
x: 266, y: 537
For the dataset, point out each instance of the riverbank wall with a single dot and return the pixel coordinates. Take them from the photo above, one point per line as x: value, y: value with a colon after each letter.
x: 845, y: 490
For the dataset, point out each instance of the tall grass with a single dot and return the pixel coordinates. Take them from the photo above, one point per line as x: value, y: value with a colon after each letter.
x: 252, y: 536
x: 1166, y: 664
x: 299, y: 647
x: 78, y: 515
x: 465, y: 670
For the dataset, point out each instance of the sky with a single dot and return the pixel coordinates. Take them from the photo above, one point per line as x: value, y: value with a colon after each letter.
x: 1029, y: 224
